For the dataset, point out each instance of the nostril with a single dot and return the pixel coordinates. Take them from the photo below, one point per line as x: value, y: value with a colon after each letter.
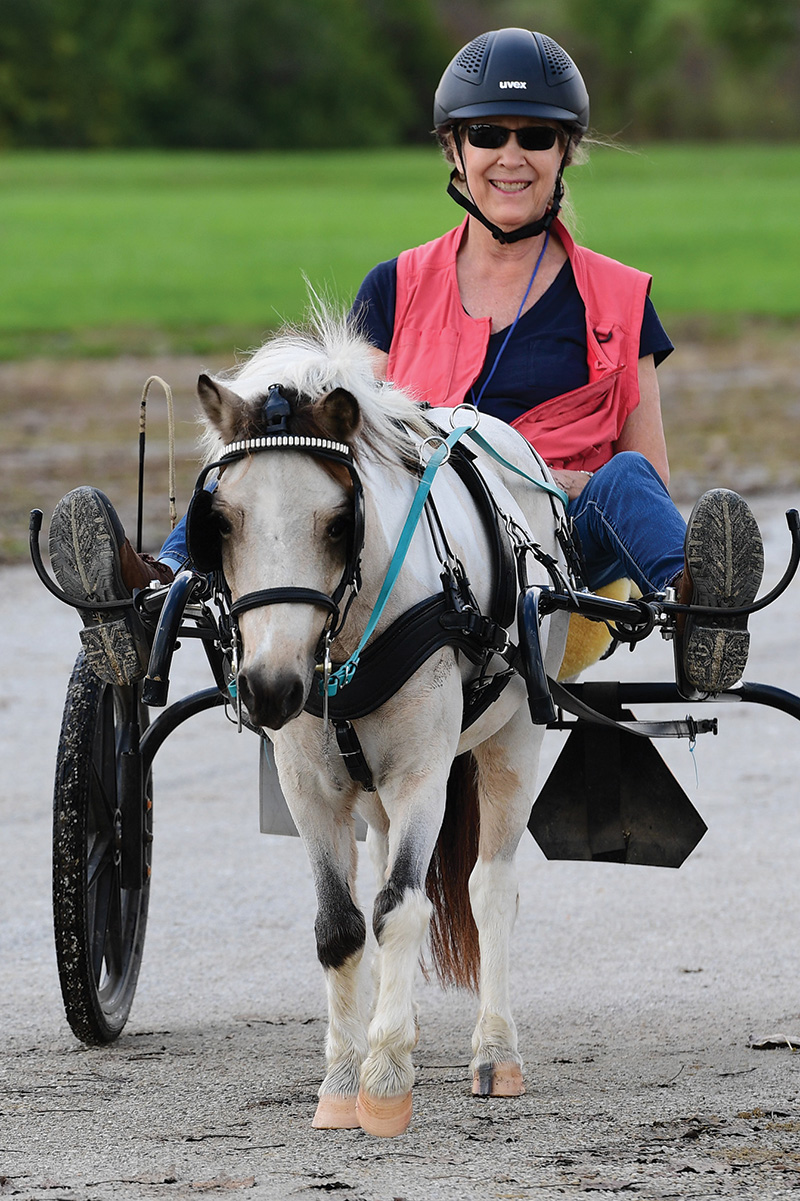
x: 293, y: 700
x: 244, y: 691
x: 271, y: 703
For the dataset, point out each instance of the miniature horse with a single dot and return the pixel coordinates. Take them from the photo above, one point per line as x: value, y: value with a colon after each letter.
x: 284, y: 519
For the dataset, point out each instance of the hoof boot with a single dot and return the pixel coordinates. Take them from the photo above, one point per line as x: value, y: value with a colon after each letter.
x: 498, y: 1080
x: 335, y: 1111
x: 383, y: 1116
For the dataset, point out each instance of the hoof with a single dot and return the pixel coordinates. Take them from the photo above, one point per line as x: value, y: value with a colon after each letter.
x: 498, y: 1080
x: 335, y: 1111
x: 383, y: 1116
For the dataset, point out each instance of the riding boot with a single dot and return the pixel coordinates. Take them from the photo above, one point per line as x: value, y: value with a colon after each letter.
x: 93, y: 560
x: 724, y: 563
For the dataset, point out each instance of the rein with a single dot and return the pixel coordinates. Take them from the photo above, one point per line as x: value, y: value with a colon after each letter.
x: 344, y: 674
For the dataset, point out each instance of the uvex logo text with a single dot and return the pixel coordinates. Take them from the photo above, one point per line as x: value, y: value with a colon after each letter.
x: 513, y: 83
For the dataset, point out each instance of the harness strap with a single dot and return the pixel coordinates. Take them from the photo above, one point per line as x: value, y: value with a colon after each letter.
x: 344, y: 674
x: 277, y: 596
x: 544, y: 485
x: 353, y: 754
x: 689, y: 728
x: 503, y: 604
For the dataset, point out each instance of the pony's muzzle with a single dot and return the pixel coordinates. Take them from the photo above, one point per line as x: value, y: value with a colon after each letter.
x: 271, y: 701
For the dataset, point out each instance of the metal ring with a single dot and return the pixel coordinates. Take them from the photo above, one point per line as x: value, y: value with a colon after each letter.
x: 437, y: 438
x: 471, y: 409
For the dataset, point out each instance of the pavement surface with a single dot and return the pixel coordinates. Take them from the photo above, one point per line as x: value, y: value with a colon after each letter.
x: 637, y: 990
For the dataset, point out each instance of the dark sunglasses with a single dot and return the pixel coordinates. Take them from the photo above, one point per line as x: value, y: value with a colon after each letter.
x: 530, y: 137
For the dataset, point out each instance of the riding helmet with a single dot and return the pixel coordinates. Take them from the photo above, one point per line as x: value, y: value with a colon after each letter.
x: 514, y: 72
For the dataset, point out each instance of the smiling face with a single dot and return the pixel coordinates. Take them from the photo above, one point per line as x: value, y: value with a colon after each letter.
x: 511, y: 186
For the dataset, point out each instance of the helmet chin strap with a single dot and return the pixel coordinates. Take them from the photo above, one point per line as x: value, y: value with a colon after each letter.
x: 533, y: 228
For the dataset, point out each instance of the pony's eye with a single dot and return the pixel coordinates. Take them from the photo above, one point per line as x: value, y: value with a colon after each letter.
x: 338, y: 528
x: 222, y: 525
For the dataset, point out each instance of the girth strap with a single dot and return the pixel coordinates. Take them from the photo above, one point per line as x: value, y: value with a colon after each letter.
x: 354, y: 758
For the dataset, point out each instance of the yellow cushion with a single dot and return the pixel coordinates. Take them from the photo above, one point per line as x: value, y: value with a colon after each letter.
x: 588, y: 640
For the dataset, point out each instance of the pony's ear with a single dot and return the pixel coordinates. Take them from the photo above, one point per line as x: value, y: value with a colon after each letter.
x: 339, y: 414
x: 222, y: 407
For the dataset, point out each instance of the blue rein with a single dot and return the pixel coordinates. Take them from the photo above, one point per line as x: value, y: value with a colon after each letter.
x: 344, y: 673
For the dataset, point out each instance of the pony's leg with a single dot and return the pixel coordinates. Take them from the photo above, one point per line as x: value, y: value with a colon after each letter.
x: 345, y: 1047
x: 507, y: 765
x: 414, y: 798
x: 340, y: 932
x: 387, y: 1073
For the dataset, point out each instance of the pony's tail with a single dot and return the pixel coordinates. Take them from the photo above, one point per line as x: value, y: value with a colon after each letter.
x: 453, y: 933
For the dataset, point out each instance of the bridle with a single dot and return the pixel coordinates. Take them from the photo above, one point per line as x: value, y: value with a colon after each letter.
x: 204, y: 542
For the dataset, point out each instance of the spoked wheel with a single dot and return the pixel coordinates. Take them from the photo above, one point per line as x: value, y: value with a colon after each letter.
x: 102, y: 835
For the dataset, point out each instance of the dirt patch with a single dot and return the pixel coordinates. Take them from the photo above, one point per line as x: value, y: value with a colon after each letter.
x: 71, y: 422
x: 731, y: 411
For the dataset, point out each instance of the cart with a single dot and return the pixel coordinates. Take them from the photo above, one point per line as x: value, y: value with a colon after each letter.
x: 111, y: 735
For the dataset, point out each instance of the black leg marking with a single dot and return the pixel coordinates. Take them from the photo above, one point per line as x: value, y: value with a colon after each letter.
x: 340, y: 928
x: 485, y: 1076
x: 404, y: 876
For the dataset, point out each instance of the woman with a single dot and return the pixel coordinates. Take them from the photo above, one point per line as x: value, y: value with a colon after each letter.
x: 506, y: 312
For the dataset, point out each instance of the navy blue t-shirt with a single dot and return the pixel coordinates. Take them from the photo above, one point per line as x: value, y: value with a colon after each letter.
x: 545, y: 355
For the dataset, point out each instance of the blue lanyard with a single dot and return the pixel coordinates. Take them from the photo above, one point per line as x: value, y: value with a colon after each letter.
x: 513, y: 325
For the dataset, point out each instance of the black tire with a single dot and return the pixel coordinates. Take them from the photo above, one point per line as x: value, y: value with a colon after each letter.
x: 102, y: 835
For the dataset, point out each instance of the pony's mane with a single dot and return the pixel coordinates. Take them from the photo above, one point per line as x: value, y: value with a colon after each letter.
x: 327, y: 353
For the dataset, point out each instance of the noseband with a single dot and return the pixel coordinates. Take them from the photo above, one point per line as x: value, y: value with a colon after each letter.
x: 203, y: 539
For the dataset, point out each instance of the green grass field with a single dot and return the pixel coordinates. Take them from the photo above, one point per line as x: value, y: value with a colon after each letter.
x: 142, y: 252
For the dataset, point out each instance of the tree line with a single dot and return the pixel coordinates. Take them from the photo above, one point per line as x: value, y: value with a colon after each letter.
x: 261, y: 74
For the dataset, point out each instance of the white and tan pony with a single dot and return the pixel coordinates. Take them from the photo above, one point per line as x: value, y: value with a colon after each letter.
x: 284, y: 520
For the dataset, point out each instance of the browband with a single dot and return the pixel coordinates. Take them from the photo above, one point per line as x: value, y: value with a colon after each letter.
x: 267, y: 442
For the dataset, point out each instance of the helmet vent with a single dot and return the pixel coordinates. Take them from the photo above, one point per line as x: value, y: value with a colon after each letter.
x: 558, y: 61
x: 470, y: 60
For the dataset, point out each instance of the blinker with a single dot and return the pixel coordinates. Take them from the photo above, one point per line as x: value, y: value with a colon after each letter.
x: 276, y: 412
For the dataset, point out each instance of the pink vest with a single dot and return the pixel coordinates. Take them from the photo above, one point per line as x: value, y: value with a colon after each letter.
x: 438, y: 350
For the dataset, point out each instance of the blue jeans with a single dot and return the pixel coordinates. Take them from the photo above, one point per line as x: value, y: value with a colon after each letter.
x: 628, y: 525
x: 625, y: 518
x: 175, y: 551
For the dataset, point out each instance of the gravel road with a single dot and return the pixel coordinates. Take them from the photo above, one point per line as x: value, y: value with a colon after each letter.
x: 637, y: 989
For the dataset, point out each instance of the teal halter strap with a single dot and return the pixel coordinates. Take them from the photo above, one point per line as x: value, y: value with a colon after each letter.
x: 344, y: 674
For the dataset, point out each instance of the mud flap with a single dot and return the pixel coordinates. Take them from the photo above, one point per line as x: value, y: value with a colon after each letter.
x: 611, y: 797
x: 274, y: 815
